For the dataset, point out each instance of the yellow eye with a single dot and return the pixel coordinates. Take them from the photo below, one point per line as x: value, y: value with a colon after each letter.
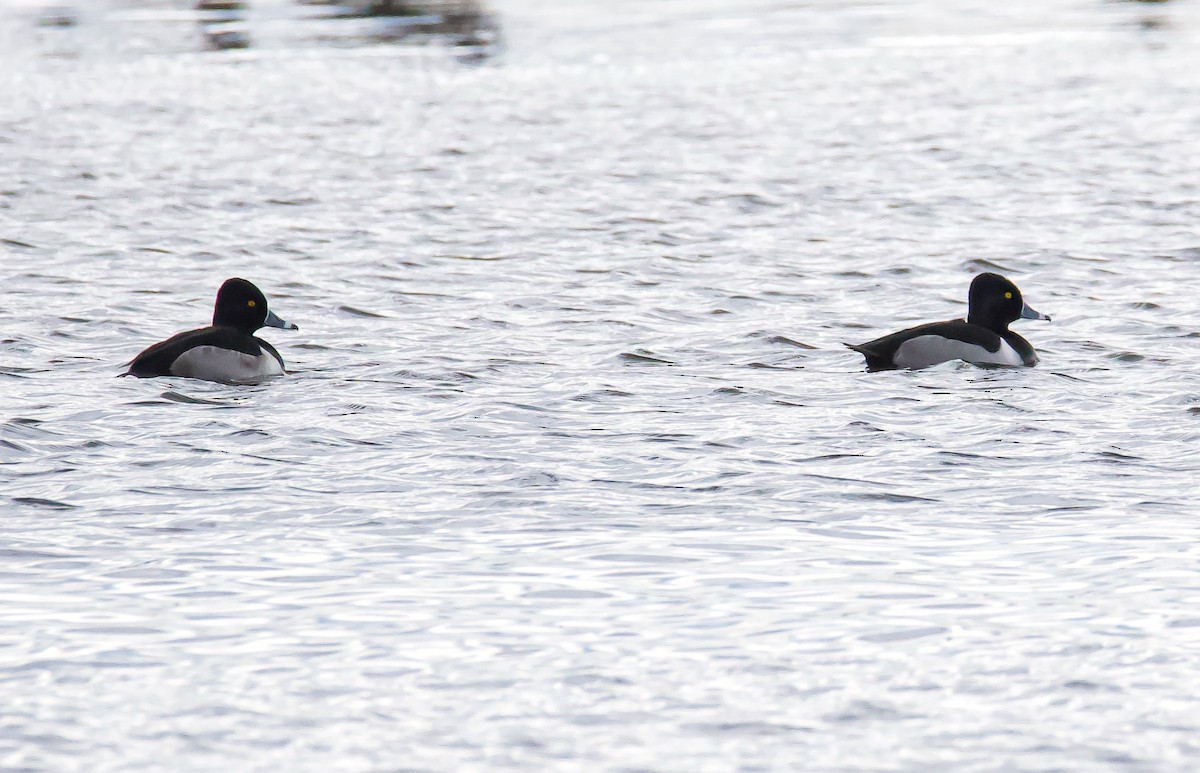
x: 1006, y: 295
x: 252, y: 304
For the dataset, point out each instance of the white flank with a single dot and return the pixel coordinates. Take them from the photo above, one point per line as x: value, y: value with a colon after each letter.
x: 213, y: 363
x: 926, y: 350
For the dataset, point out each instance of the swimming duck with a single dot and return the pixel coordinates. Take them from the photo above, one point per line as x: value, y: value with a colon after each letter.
x: 227, y: 351
x: 982, y: 338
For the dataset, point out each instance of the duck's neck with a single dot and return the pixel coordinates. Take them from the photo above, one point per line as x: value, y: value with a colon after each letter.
x: 990, y: 323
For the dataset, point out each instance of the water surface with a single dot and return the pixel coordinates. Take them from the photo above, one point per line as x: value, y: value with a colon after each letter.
x: 572, y: 471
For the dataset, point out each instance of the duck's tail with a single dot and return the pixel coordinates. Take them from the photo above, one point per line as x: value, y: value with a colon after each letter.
x: 875, y: 360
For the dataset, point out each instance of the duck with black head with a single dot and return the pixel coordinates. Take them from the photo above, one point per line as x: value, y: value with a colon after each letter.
x: 983, y: 338
x: 227, y: 351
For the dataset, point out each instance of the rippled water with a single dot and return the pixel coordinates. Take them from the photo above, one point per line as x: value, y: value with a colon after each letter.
x: 572, y: 471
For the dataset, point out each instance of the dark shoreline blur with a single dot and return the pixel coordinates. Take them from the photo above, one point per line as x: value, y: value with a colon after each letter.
x: 465, y: 27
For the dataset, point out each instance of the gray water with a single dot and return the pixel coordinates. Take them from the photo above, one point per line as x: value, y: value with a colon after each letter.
x: 571, y: 471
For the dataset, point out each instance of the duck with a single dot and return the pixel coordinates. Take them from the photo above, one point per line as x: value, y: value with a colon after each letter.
x: 983, y: 338
x: 226, y: 351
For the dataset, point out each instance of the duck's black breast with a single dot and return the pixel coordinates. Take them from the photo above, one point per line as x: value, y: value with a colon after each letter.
x: 158, y: 359
x: 881, y: 352
x: 1022, y: 347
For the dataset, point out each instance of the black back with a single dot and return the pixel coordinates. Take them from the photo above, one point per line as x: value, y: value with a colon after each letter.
x: 881, y: 353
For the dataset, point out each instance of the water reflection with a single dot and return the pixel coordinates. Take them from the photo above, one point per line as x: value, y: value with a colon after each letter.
x: 572, y: 473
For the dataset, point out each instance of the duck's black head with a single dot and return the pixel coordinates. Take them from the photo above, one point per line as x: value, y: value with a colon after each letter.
x: 242, y: 306
x: 993, y: 302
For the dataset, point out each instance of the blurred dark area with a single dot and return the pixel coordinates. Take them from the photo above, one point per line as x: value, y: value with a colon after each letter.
x: 466, y: 28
